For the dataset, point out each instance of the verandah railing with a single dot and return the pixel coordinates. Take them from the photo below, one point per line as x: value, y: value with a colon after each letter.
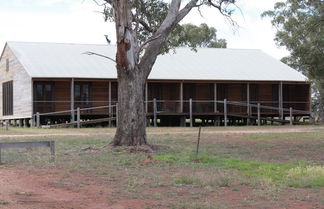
x: 189, y: 107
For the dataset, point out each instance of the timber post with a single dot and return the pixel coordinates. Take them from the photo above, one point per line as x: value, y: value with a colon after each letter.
x: 20, y: 123
x: 109, y: 103
x: 32, y: 121
x: 259, y: 115
x: 116, y: 113
x: 154, y: 112
x: 281, y: 114
x: 25, y: 123
x: 291, y: 116
x: 37, y: 120
x: 52, y: 149
x: 181, y: 97
x: 6, y: 125
x: 72, y: 99
x: 248, y: 110
x: 215, y: 97
x: 190, y: 112
x: 78, y: 118
x: 225, y: 112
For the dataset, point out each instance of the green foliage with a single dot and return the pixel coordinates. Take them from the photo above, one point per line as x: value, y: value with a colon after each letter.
x: 149, y: 15
x: 197, y: 36
x: 300, y: 28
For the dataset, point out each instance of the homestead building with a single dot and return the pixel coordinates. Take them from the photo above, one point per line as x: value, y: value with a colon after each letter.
x: 52, y: 77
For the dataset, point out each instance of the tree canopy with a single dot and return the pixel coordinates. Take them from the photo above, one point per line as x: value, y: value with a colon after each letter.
x: 300, y: 28
x: 149, y: 15
x: 145, y: 29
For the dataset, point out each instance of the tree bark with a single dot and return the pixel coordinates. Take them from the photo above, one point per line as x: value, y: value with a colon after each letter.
x: 132, y: 73
x: 321, y: 102
x: 131, y: 125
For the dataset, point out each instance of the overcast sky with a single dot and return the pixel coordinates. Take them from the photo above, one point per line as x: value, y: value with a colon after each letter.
x: 80, y: 21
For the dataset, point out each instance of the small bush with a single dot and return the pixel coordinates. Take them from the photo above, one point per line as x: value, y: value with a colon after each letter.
x: 309, y: 176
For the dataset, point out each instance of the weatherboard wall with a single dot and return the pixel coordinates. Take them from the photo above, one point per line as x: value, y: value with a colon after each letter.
x: 22, y: 86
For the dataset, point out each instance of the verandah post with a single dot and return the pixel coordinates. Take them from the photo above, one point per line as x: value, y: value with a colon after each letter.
x: 72, y: 99
x: 215, y: 97
x: 37, y: 120
x: 225, y: 112
x: 110, y: 110
x: 291, y: 116
x: 116, y: 113
x: 248, y: 104
x: 259, y: 115
x: 78, y: 118
x: 146, y: 98
x: 190, y: 112
x: 154, y: 112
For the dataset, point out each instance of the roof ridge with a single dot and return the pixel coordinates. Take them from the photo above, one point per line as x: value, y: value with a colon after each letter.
x: 94, y: 44
x: 61, y: 43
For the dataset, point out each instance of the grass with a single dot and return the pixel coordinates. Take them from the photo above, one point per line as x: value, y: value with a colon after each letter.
x: 261, y: 166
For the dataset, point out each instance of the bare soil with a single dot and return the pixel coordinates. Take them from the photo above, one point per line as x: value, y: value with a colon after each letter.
x: 28, y: 187
x: 40, y: 189
x: 22, y: 189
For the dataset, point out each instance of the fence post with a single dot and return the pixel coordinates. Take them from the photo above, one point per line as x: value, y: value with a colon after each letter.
x: 291, y: 116
x: 154, y: 112
x: 259, y: 115
x: 52, y: 148
x: 225, y: 112
x: 6, y: 125
x: 37, y: 120
x: 78, y: 118
x: 32, y: 121
x: 190, y: 112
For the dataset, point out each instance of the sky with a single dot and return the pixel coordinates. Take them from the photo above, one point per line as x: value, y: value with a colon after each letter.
x: 80, y: 21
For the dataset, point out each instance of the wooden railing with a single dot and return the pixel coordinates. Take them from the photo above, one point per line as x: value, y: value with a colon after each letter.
x: 187, y: 107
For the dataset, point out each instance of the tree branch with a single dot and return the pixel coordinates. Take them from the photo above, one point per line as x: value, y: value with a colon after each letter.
x: 145, y: 43
x: 144, y: 24
x: 100, y: 55
x: 172, y: 19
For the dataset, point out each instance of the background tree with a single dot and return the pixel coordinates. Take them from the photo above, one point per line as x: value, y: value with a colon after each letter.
x: 197, y: 36
x: 300, y: 28
x: 145, y: 29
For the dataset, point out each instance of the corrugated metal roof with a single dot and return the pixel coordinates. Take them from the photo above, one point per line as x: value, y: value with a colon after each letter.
x: 58, y: 60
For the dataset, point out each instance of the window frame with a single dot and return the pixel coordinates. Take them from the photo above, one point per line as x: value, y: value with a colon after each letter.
x: 7, y: 98
x: 44, y: 102
x: 81, y: 88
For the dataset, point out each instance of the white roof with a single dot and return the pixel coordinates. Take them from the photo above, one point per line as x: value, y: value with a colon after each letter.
x: 56, y: 60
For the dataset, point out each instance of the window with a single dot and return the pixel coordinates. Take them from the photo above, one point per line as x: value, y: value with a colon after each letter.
x: 7, y: 98
x: 82, y: 93
x: 43, y: 97
x: 7, y: 64
x: 254, y: 93
x: 275, y: 92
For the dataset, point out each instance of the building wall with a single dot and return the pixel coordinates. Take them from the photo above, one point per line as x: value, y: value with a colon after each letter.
x: 169, y: 93
x: 22, y: 86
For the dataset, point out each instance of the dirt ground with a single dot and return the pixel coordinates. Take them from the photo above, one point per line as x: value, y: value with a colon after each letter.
x: 39, y: 188
x: 22, y: 190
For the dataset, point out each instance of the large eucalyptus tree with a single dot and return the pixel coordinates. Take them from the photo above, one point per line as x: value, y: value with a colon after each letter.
x: 145, y: 29
x: 300, y: 28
